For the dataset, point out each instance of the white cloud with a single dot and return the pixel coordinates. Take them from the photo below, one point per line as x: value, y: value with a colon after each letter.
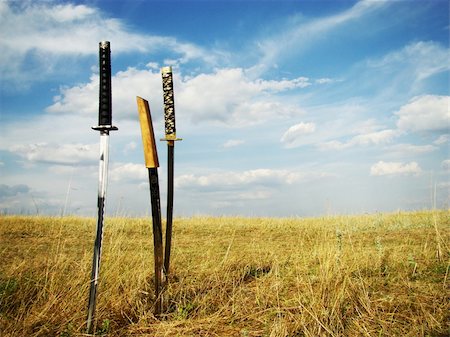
x: 416, y: 61
x: 442, y: 139
x: 405, y: 149
x: 250, y: 184
x: 64, y: 154
x: 228, y: 96
x: 425, y: 113
x: 290, y: 137
x: 126, y: 85
x: 128, y: 172
x: 233, y: 143
x: 298, y: 36
x: 394, y: 168
x: 48, y: 34
x: 232, y: 180
x: 374, y: 138
x: 324, y: 80
x: 370, y: 138
x: 446, y: 164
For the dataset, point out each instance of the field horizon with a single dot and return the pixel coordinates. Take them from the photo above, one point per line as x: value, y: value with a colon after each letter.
x: 382, y: 274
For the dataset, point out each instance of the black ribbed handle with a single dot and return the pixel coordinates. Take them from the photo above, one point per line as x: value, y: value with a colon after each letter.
x: 169, y: 105
x: 105, y: 106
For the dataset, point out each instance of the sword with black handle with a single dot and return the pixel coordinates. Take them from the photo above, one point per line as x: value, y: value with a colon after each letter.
x: 151, y: 162
x: 171, y: 138
x: 104, y: 126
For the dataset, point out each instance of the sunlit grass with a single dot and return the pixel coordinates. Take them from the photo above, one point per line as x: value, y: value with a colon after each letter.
x: 372, y: 275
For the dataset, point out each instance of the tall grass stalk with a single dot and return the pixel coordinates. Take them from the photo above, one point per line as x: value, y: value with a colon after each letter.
x: 372, y: 275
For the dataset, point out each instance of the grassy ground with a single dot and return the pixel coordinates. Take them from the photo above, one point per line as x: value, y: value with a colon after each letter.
x: 374, y: 275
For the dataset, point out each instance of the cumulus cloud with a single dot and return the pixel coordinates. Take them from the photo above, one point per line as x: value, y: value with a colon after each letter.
x: 374, y: 138
x: 231, y: 180
x: 227, y: 95
x: 260, y: 182
x: 370, y: 138
x: 425, y: 113
x: 46, y: 34
x: 292, y: 134
x: 126, y: 85
x: 64, y: 154
x: 324, y: 80
x: 394, y: 168
x: 128, y: 172
x: 231, y: 96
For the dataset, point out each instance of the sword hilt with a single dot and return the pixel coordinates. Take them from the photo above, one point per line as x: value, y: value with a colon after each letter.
x: 105, y: 100
x: 169, y: 105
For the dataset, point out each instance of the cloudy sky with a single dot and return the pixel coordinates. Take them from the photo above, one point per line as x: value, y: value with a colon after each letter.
x: 286, y: 108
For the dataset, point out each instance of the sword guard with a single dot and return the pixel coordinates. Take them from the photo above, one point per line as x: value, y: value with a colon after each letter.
x: 170, y: 140
x: 105, y: 128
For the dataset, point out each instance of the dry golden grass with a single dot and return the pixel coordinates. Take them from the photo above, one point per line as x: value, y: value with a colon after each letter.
x: 373, y: 275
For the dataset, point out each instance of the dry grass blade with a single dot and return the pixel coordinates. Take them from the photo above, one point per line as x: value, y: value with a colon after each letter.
x: 373, y: 275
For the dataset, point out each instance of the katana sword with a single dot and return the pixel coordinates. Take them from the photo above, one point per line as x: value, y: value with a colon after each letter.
x: 151, y: 162
x: 104, y: 126
x: 171, y: 137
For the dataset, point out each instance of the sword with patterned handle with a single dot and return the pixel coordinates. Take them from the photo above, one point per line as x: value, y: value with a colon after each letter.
x: 151, y: 162
x: 171, y: 138
x: 104, y: 126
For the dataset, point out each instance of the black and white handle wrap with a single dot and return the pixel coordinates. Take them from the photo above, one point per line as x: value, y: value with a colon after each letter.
x: 169, y: 104
x: 105, y: 110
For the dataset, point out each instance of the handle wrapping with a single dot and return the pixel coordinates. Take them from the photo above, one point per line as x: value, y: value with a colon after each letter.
x: 105, y: 106
x: 169, y: 104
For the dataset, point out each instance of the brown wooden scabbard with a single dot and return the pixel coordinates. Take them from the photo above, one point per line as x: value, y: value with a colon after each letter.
x: 148, y: 136
x: 151, y: 162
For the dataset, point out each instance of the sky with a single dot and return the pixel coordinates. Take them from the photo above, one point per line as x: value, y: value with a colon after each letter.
x: 286, y: 108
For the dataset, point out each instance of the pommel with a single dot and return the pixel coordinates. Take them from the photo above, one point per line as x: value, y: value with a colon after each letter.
x: 104, y: 44
x: 165, y: 70
x: 148, y: 135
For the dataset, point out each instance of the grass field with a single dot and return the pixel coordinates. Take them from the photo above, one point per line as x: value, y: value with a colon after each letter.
x: 371, y: 275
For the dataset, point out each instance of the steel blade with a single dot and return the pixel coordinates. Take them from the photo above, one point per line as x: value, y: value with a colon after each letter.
x: 104, y: 126
x: 102, y: 184
x: 170, y: 132
x: 169, y: 223
x: 157, y: 238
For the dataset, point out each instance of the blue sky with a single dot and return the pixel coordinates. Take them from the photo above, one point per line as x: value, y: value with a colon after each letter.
x: 286, y: 108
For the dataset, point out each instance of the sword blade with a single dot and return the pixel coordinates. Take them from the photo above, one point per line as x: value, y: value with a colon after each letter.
x: 102, y: 183
x: 157, y: 237
x: 170, y: 130
x: 104, y: 126
x: 170, y: 174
